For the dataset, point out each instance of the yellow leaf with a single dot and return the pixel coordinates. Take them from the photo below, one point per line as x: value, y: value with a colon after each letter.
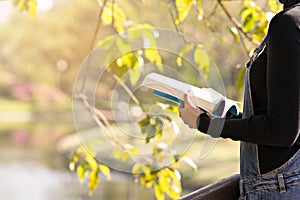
x: 112, y: 13
x: 32, y: 9
x: 80, y: 172
x: 146, y: 170
x: 158, y: 192
x: 133, y: 150
x: 126, y: 60
x: 91, y: 160
x: 202, y: 60
x: 93, y: 181
x: 136, y: 169
x: 21, y: 5
x: 106, y: 171
x: 106, y: 16
x: 235, y: 33
x: 118, y: 154
x: 275, y: 6
x: 200, y: 10
x: 164, y: 182
x: 183, y: 9
x: 153, y: 56
x: 183, y: 51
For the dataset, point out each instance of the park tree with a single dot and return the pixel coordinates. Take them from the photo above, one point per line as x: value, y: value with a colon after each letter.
x: 247, y: 23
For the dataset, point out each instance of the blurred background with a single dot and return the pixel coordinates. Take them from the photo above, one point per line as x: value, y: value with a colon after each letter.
x: 39, y: 59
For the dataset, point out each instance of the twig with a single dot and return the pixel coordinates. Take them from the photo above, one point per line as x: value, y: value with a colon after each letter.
x: 98, y: 25
x: 243, y: 44
x: 136, y: 101
x: 94, y: 112
x: 113, y: 12
x: 236, y: 23
x: 213, y: 11
x: 177, y: 27
x: 92, y: 45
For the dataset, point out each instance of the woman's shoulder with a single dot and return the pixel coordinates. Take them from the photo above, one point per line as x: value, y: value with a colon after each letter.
x: 287, y: 17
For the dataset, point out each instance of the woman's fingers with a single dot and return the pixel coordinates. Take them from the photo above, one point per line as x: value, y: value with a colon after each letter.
x: 187, y: 100
x: 189, y: 112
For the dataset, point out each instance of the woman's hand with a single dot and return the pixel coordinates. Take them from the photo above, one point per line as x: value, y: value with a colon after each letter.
x: 189, y: 113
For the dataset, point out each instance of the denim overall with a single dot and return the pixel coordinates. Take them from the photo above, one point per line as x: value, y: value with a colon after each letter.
x: 282, y: 183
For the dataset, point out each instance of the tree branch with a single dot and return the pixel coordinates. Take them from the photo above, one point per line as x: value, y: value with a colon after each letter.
x: 177, y: 27
x: 243, y: 44
x: 98, y: 25
x: 236, y: 23
x: 95, y: 113
x: 136, y: 101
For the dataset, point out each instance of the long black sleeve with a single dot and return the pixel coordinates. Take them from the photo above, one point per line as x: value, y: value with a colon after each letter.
x: 279, y: 124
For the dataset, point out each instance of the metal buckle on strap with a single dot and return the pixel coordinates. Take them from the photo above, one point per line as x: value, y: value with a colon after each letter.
x: 281, y: 183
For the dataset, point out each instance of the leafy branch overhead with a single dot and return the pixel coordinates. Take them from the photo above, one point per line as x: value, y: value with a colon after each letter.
x: 248, y: 27
x: 29, y: 6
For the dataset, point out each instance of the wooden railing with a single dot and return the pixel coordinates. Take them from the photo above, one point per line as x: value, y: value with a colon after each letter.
x: 225, y: 189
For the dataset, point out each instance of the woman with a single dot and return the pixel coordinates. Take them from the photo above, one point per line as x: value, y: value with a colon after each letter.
x: 270, y: 124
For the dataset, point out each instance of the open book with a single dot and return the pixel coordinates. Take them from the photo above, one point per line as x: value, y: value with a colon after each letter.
x: 205, y: 98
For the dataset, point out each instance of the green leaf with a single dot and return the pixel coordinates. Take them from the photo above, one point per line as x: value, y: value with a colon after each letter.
x: 134, y: 75
x: 249, y: 23
x: 151, y: 132
x: 183, y: 8
x: 123, y: 46
x: 159, y: 125
x: 107, y: 42
x: 202, y: 60
x: 144, y: 121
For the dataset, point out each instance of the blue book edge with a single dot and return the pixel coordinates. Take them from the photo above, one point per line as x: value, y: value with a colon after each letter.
x: 167, y: 96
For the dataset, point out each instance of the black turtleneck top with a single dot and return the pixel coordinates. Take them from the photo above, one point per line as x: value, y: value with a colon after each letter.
x: 275, y: 89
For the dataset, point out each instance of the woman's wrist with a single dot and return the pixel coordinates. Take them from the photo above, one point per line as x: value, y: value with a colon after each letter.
x: 203, y: 121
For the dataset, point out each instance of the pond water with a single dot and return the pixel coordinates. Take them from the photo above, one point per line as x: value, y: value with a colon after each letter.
x: 32, y: 169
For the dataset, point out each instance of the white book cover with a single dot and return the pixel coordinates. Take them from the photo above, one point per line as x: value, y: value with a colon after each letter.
x: 206, y: 98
